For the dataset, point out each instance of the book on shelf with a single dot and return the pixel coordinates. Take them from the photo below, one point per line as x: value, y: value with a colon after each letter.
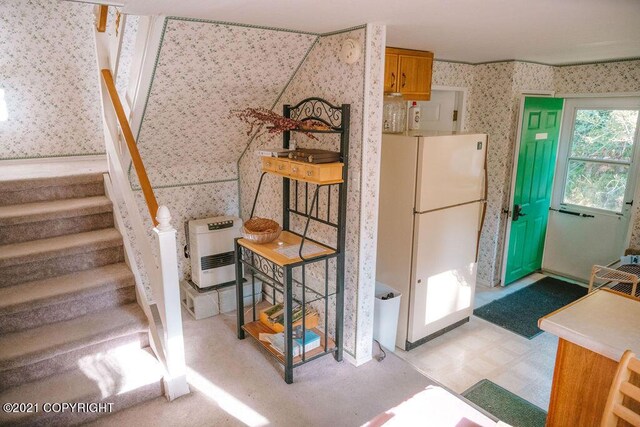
x: 273, y: 317
x: 312, y: 341
x: 310, y: 155
x: 273, y: 152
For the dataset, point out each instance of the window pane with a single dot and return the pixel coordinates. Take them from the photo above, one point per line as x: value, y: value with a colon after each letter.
x: 604, y: 134
x: 596, y: 185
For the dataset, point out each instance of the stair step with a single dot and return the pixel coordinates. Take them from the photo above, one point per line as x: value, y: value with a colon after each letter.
x: 54, y: 247
x: 67, y: 361
x: 124, y: 377
x: 37, y: 344
x: 53, y: 209
x: 30, y: 221
x: 36, y: 353
x: 39, y: 259
x: 32, y: 304
x: 51, y: 188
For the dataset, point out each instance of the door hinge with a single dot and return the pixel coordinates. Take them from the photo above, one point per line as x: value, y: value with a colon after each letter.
x: 455, y: 115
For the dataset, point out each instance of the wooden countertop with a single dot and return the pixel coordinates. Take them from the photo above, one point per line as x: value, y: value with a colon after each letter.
x: 605, y: 322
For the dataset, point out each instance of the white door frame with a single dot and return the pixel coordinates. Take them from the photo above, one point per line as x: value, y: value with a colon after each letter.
x: 463, y: 104
x: 514, y: 171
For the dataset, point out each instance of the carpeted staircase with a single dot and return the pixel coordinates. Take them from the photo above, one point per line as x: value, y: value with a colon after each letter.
x: 70, y: 327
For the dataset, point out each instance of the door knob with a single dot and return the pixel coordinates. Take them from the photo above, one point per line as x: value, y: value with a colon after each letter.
x: 517, y: 212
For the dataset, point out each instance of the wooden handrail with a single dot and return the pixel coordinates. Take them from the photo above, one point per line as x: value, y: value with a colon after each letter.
x: 101, y: 17
x: 149, y: 196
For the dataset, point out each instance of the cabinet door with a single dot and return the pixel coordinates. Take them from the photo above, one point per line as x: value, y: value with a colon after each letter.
x: 415, y: 77
x: 390, y: 73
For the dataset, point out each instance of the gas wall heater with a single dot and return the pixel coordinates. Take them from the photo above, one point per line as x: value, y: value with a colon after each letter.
x: 211, y: 250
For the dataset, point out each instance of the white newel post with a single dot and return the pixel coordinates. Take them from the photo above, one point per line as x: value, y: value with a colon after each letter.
x: 176, y: 381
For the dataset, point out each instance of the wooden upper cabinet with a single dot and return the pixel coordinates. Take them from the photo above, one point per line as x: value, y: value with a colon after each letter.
x: 408, y: 72
x: 390, y: 73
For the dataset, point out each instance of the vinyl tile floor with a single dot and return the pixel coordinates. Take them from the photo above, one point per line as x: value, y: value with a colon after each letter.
x: 480, y: 349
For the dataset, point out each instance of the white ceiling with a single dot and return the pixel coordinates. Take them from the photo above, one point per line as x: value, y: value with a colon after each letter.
x: 547, y: 31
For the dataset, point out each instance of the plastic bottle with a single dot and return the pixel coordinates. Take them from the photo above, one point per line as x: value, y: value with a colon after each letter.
x: 414, y: 116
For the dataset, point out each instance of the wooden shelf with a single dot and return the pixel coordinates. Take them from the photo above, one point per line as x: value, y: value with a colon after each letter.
x: 256, y: 328
x: 280, y: 262
x: 268, y: 250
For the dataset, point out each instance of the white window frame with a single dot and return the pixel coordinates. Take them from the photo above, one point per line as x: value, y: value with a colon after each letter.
x: 568, y: 122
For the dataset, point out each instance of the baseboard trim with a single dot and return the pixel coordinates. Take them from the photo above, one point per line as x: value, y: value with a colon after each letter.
x: 411, y: 345
x: 356, y: 362
x: 485, y: 284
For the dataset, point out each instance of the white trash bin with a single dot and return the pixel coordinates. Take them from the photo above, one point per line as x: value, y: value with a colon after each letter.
x: 385, y: 316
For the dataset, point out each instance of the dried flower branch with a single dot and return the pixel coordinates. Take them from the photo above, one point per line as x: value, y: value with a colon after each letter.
x: 265, y: 121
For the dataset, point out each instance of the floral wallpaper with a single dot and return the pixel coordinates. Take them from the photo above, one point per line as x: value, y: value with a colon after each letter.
x: 204, y: 70
x: 623, y: 76
x: 48, y: 80
x: 370, y: 183
x: 188, y: 141
x: 324, y: 75
x: 491, y: 97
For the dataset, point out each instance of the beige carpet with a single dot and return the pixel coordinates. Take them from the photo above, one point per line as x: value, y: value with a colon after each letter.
x: 234, y: 382
x: 70, y: 328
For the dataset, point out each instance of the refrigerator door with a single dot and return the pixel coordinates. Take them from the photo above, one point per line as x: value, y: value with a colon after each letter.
x: 450, y: 170
x: 444, y: 269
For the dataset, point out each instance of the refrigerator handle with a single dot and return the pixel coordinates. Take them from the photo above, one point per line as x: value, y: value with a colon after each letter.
x: 485, y: 195
x: 484, y: 211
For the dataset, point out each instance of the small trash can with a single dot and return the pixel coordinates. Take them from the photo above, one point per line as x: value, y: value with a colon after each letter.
x: 385, y: 316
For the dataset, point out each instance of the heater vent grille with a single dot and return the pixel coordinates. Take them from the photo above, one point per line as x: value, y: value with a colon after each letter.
x: 218, y: 260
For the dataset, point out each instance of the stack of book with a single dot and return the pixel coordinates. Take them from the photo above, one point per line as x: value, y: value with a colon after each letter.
x: 310, y: 155
x: 273, y: 317
x: 311, y: 341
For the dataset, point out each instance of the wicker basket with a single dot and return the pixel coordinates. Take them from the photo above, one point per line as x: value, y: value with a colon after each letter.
x: 261, y: 230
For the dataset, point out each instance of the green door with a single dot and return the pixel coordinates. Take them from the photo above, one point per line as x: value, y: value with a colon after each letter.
x: 534, y: 181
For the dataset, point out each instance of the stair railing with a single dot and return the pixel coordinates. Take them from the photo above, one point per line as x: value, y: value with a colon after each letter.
x: 164, y: 313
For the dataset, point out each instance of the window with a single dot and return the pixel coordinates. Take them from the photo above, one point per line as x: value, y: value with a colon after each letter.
x: 599, y: 159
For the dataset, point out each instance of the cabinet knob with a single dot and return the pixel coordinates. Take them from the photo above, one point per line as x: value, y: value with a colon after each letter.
x: 294, y: 169
x: 281, y: 167
x: 309, y: 173
x: 268, y: 163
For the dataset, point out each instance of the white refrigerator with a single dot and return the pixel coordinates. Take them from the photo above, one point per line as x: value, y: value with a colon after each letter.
x: 432, y: 204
